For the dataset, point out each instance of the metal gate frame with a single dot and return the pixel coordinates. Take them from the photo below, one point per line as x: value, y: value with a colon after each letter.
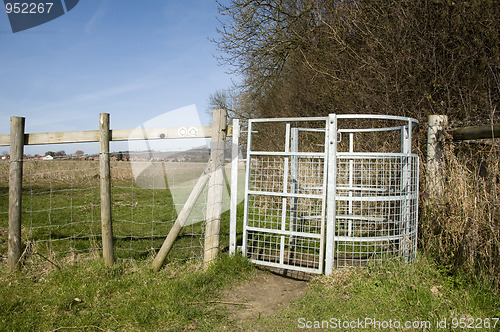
x: 404, y: 196
x: 285, y: 243
x: 328, y: 235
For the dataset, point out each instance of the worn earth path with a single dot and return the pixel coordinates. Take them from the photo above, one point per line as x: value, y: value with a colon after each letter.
x: 263, y: 295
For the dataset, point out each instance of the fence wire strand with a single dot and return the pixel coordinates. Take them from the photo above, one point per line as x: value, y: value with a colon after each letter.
x: 61, y: 207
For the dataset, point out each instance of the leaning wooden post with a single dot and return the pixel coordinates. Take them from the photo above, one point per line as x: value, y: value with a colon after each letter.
x: 215, y: 186
x: 181, y: 219
x: 106, y: 221
x: 15, y: 190
x: 436, y: 123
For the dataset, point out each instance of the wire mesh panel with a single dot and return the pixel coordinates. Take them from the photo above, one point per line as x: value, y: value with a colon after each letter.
x: 375, y: 208
x: 374, y: 196
x: 330, y: 192
x: 62, y: 216
x: 60, y: 209
x: 146, y: 205
x: 285, y: 194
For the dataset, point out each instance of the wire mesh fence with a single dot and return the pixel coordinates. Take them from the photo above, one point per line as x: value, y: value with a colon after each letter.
x: 146, y: 201
x: 146, y: 205
x: 61, y: 206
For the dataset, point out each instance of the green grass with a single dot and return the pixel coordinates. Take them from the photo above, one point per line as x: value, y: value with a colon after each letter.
x: 390, y: 291
x: 61, y: 212
x: 88, y: 296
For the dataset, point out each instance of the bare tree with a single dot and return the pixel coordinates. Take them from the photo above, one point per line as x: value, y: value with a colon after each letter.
x: 311, y: 57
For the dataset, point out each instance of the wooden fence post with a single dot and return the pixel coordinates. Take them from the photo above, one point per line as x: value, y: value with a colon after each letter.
x: 15, y: 189
x: 106, y: 221
x: 215, y: 186
x: 436, y: 123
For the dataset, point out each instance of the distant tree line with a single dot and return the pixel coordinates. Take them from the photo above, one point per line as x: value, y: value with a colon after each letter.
x: 61, y: 153
x: 399, y: 57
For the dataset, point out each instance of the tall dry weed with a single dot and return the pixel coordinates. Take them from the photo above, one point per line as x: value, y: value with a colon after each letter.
x: 461, y: 226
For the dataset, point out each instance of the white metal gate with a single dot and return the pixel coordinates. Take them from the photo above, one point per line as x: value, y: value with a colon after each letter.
x: 372, y: 191
x: 329, y: 192
x: 285, y: 193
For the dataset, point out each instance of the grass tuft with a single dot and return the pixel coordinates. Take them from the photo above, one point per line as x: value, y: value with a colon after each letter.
x: 390, y: 291
x: 128, y: 296
x: 87, y: 295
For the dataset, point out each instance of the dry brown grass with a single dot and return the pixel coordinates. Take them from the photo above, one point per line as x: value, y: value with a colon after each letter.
x: 461, y: 227
x: 43, y: 172
x: 77, y: 171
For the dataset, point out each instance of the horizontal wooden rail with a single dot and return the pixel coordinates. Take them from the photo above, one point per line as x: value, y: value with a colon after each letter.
x: 475, y: 132
x: 115, y: 135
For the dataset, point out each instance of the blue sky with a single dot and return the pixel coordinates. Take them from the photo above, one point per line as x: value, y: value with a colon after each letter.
x: 133, y: 59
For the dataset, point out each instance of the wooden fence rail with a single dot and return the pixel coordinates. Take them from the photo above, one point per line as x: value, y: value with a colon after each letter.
x: 437, y: 127
x: 18, y: 139
x: 475, y: 132
x: 114, y: 135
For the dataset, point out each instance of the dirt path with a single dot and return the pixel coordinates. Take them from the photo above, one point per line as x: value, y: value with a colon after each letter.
x: 264, y: 294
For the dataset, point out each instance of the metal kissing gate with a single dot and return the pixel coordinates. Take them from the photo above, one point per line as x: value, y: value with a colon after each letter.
x: 328, y: 192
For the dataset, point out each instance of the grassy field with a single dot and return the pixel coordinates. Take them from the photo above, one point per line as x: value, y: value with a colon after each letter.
x: 87, y: 296
x: 61, y: 207
x: 418, y: 293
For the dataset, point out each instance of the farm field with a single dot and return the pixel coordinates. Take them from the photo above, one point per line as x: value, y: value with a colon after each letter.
x: 61, y: 207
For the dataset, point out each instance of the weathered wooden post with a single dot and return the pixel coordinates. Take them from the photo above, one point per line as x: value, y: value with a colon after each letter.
x: 215, y: 186
x: 15, y: 190
x: 106, y: 221
x: 436, y: 123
